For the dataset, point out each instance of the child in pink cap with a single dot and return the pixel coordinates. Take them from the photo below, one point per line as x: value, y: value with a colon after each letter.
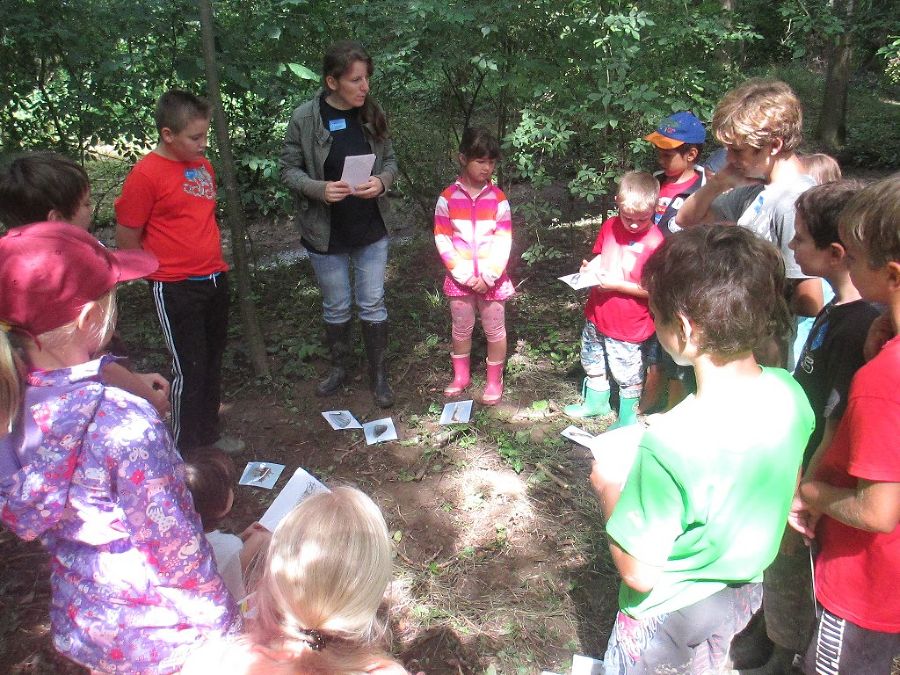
x: 91, y: 470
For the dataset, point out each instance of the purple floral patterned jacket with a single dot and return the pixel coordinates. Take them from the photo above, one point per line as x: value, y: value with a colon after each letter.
x: 92, y: 471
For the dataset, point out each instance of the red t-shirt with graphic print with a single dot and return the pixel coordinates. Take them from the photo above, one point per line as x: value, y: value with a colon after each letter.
x: 175, y: 204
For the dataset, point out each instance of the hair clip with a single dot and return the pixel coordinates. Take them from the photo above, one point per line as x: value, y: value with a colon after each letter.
x: 317, y: 640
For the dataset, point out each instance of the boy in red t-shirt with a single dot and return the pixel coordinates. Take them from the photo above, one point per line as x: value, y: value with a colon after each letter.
x: 618, y: 318
x: 168, y: 207
x: 850, y: 498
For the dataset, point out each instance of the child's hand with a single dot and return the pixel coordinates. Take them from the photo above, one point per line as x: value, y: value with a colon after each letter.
x: 252, y: 529
x: 336, y: 191
x: 256, y: 539
x: 159, y: 386
x: 477, y: 284
x: 606, y: 282
x: 803, y: 519
x: 879, y: 333
x: 585, y: 265
x: 371, y: 188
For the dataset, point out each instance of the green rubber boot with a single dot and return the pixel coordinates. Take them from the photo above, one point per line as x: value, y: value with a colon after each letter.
x: 627, y: 413
x: 595, y: 402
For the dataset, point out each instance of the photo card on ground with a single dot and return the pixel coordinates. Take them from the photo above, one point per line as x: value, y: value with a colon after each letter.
x: 456, y: 412
x: 261, y: 474
x: 380, y: 431
x: 341, y: 419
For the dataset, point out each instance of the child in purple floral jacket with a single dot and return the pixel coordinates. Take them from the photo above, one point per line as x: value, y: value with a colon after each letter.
x: 91, y: 470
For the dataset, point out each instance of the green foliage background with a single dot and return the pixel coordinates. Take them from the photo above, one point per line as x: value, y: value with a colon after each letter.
x: 570, y: 85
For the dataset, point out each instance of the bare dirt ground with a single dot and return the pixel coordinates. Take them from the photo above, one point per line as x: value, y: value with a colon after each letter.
x: 501, y: 563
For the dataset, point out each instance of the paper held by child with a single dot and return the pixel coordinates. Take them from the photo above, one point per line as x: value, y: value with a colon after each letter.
x: 380, y: 431
x: 615, y: 451
x: 582, y: 665
x: 577, y: 435
x: 456, y: 412
x: 341, y: 419
x: 357, y: 169
x: 585, y: 665
x: 581, y: 280
x: 301, y: 485
x: 261, y: 474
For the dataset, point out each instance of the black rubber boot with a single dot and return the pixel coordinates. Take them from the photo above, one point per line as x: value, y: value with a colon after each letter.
x: 375, y: 336
x: 337, y: 335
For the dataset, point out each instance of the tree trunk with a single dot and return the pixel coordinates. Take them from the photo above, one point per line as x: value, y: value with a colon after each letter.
x: 832, y: 128
x: 253, y: 337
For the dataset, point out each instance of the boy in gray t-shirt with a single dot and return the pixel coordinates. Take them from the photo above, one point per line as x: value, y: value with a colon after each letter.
x: 760, y: 125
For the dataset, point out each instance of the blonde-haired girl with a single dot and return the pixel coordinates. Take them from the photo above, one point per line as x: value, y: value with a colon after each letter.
x: 91, y: 470
x: 326, y: 572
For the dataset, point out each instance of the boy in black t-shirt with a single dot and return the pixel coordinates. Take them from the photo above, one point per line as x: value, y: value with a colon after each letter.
x: 831, y: 356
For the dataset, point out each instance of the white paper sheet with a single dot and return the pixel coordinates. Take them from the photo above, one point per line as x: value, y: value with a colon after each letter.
x: 581, y: 280
x: 357, y: 169
x: 615, y: 451
x: 578, y: 435
x: 301, y: 485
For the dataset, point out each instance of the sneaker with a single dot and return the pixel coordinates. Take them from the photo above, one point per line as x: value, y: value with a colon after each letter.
x: 230, y: 445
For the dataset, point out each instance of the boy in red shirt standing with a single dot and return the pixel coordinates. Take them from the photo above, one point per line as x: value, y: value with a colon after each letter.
x: 618, y: 318
x: 850, y: 498
x: 168, y: 207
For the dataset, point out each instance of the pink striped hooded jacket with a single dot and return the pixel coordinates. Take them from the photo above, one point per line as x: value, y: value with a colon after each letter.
x: 473, y: 235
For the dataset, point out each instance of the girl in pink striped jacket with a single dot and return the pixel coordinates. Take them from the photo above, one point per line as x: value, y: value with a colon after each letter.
x: 473, y: 234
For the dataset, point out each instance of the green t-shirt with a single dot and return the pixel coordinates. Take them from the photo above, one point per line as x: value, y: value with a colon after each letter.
x: 709, y: 492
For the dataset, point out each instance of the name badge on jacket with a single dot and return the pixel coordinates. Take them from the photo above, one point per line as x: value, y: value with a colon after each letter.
x: 337, y: 125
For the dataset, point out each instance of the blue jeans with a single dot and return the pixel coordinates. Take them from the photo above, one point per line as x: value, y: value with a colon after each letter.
x: 333, y: 275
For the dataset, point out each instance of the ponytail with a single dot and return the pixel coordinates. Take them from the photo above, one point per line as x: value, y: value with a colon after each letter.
x: 372, y: 114
x: 11, y: 368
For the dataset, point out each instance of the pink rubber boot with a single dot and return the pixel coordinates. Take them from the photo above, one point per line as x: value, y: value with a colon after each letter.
x: 493, y: 390
x: 461, y: 375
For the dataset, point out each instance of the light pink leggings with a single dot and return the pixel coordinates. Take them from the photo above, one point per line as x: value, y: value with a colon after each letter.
x: 492, y: 312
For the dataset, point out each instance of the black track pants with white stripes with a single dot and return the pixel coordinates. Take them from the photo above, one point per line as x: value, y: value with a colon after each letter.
x: 193, y: 315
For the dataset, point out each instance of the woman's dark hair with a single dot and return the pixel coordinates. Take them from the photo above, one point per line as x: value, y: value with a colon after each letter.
x: 337, y: 61
x: 726, y: 280
x: 209, y: 475
x: 479, y: 143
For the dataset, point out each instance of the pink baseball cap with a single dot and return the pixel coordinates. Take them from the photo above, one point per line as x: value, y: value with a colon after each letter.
x: 50, y: 271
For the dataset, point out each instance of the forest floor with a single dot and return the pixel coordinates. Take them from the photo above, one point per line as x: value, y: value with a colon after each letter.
x: 501, y: 562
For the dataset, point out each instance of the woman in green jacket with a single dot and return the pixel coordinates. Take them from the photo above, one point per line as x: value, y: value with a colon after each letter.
x: 341, y: 225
